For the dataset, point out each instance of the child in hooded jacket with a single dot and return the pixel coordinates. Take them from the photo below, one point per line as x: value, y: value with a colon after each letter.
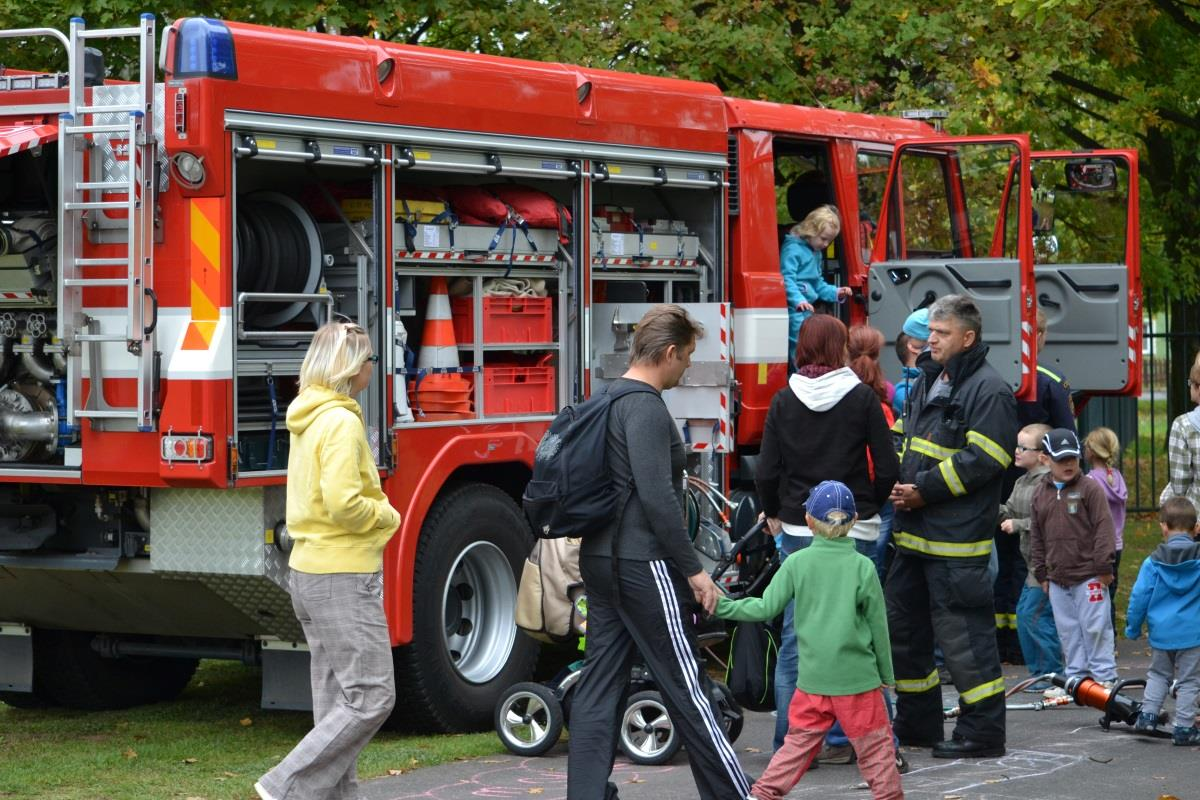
x: 1166, y: 598
x: 800, y: 263
x: 1100, y: 449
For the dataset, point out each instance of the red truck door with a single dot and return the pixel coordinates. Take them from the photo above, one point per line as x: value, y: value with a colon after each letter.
x: 942, y: 231
x: 1086, y: 246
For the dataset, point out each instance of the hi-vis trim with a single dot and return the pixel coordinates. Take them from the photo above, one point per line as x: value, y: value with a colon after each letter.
x: 1049, y: 374
x: 950, y: 476
x: 990, y: 447
x: 982, y: 691
x: 928, y: 448
x: 760, y: 335
x: 1026, y: 348
x: 948, y: 549
x: 921, y: 685
x: 205, y: 223
x: 15, y: 138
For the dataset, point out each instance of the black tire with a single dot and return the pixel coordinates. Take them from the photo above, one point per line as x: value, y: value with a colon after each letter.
x: 731, y: 715
x: 529, y: 719
x: 69, y: 672
x: 647, y: 736
x: 466, y: 649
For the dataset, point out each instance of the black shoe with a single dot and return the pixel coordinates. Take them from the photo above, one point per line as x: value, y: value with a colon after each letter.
x: 967, y: 748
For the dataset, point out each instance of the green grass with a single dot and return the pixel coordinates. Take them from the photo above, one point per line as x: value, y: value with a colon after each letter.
x: 211, y: 743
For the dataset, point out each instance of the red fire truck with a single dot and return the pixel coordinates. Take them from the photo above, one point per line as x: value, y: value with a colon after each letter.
x: 169, y: 244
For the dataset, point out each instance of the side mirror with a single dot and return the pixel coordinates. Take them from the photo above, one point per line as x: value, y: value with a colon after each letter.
x: 1091, y: 176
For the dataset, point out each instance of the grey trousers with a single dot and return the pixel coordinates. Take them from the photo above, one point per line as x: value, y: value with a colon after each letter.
x: 1184, y: 665
x: 1085, y: 628
x: 353, y: 686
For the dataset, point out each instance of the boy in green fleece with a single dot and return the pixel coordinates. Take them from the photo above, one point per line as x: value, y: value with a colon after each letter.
x: 845, y: 653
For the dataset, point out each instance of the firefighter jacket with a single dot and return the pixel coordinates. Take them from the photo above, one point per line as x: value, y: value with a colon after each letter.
x: 955, y: 448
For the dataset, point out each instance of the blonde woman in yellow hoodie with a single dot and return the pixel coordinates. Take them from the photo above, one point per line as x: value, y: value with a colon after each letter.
x: 340, y: 521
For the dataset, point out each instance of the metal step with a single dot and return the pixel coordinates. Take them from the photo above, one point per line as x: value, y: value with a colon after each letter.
x: 78, y: 129
x: 101, y: 337
x: 104, y: 186
x: 108, y: 33
x: 108, y: 413
x: 101, y: 262
x: 97, y: 282
x: 108, y: 110
x: 98, y: 205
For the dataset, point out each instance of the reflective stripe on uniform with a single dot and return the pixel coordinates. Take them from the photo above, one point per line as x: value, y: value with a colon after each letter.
x: 898, y: 425
x: 1049, y: 374
x: 921, y: 685
x: 952, y: 549
x: 1006, y: 621
x: 982, y: 691
x: 931, y: 449
x: 990, y: 447
x: 951, y: 478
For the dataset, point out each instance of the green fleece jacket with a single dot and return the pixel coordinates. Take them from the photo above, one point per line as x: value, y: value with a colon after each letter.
x: 841, y: 620
x: 337, y: 514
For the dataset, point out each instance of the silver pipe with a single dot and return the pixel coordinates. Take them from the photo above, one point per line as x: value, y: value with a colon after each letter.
x: 37, y: 367
x: 28, y: 426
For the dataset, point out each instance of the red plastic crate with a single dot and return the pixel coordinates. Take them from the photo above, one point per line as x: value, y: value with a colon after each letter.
x: 506, y: 320
x: 515, y: 389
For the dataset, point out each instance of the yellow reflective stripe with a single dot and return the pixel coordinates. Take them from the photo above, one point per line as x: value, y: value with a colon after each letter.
x: 983, y: 691
x: 928, y: 448
x: 932, y: 548
x: 990, y: 447
x: 898, y: 425
x: 930, y: 681
x: 951, y: 478
x: 1049, y: 374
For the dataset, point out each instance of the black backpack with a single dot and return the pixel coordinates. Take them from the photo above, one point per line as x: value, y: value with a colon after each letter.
x: 750, y: 673
x: 572, y: 492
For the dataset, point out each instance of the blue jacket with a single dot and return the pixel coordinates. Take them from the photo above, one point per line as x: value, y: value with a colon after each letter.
x: 802, y: 279
x: 1166, y: 596
x: 908, y: 376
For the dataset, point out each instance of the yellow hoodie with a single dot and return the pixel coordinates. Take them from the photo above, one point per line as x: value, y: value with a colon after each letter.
x: 338, y: 516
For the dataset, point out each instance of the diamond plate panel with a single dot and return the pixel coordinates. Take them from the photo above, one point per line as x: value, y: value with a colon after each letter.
x: 260, y: 599
x: 275, y: 511
x: 208, y: 531
x: 115, y: 169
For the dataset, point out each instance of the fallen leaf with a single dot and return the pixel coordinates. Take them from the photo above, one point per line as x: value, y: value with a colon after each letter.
x: 751, y: 750
x: 395, y: 772
x: 536, y: 790
x: 189, y: 761
x: 245, y: 722
x: 229, y: 774
x: 130, y: 754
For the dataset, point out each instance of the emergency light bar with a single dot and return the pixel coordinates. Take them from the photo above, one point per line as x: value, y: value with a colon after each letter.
x: 18, y: 83
x: 204, y: 49
x: 195, y: 448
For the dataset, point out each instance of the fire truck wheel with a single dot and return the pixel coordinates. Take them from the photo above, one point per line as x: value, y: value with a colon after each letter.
x: 72, y: 674
x: 466, y: 649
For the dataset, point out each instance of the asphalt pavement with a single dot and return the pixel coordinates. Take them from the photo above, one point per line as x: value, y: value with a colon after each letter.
x: 1054, y: 754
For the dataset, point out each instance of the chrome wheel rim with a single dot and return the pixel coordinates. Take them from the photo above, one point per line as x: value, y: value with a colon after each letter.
x: 646, y: 730
x: 525, y: 720
x: 479, y: 602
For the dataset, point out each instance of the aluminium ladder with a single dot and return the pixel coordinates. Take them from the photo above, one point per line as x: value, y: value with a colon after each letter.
x: 81, y: 129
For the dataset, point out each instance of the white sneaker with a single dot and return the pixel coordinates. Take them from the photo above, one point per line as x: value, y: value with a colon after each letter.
x: 262, y: 793
x: 1054, y: 693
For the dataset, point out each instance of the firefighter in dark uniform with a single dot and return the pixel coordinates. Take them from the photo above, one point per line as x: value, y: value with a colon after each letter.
x: 1052, y: 406
x: 957, y: 437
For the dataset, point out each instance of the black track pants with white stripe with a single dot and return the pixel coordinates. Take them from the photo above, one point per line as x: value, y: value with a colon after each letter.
x: 650, y: 614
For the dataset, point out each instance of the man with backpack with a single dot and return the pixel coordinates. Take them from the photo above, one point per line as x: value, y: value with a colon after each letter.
x: 642, y: 575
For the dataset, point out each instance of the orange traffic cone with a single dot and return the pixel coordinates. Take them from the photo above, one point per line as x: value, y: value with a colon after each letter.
x: 440, y: 395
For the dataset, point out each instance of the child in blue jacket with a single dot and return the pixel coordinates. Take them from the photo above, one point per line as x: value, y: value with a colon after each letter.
x: 801, y: 264
x: 1167, y: 598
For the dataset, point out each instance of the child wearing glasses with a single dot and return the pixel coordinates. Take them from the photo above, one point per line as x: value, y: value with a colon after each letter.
x: 1035, y: 618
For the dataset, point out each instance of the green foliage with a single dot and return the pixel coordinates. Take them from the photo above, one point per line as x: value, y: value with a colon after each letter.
x: 1073, y: 73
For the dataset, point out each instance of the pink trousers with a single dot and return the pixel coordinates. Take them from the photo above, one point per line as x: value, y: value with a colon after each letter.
x: 863, y: 717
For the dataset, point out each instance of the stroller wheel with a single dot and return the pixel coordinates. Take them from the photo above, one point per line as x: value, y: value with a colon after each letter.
x: 529, y: 719
x: 648, y: 736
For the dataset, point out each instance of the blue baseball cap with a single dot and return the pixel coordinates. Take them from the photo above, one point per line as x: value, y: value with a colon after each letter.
x: 829, y: 497
x: 917, y: 324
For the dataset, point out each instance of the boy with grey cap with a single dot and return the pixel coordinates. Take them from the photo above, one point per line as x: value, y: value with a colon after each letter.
x: 1072, y: 543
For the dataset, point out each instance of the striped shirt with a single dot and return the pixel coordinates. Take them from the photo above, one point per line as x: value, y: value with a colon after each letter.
x: 1183, y: 458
